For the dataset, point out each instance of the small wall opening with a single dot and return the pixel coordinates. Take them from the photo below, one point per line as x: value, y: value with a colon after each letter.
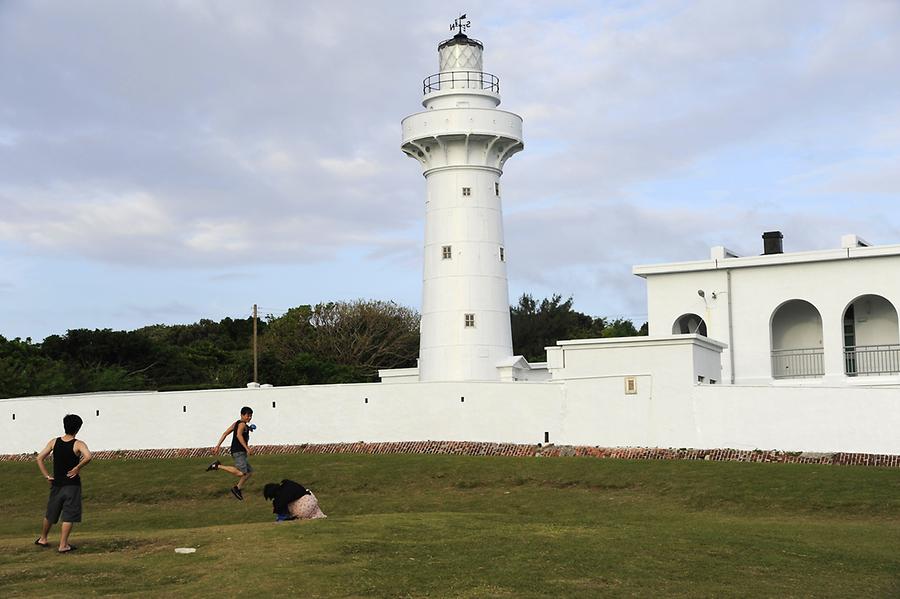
x: 689, y: 324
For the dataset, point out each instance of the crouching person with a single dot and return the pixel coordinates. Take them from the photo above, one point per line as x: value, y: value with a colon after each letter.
x: 292, y: 501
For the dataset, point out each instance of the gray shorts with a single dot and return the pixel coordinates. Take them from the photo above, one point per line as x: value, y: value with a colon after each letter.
x: 66, y: 502
x: 241, y: 463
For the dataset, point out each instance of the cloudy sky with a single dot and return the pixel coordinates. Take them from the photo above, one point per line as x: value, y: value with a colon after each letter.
x: 166, y: 161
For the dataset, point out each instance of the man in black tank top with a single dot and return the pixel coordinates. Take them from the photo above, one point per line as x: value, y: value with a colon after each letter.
x: 70, y: 455
x: 240, y: 449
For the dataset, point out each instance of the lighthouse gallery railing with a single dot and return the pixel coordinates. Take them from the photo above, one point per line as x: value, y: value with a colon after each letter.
x: 461, y: 80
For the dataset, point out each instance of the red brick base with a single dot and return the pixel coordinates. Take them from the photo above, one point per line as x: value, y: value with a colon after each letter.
x: 511, y: 449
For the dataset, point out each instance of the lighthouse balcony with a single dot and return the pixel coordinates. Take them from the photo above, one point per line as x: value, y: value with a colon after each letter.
x: 430, y: 128
x: 461, y: 80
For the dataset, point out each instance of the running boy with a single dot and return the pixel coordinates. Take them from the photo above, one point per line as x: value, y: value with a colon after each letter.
x: 70, y: 455
x: 240, y: 449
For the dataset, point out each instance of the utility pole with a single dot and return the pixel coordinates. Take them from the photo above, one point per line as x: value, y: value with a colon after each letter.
x: 255, y: 357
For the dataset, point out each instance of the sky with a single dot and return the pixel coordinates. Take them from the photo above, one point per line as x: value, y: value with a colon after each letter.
x: 171, y: 160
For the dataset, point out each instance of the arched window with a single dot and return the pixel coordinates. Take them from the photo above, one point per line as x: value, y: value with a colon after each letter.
x: 689, y: 324
x: 871, y: 337
x: 797, y: 350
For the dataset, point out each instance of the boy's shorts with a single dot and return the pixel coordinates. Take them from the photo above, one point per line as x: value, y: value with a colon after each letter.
x: 241, y: 463
x: 64, y: 501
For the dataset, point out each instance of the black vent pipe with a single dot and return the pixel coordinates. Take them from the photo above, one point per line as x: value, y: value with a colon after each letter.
x: 772, y: 243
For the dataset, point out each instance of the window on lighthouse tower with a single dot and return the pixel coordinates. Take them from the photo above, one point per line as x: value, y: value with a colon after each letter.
x: 469, y: 320
x: 467, y: 191
x: 446, y: 252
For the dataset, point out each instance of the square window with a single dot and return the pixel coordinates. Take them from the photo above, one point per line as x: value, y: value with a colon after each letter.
x: 467, y: 191
x: 446, y: 252
x: 502, y: 254
x: 470, y: 320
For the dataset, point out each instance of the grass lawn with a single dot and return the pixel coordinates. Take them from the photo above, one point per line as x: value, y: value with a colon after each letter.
x: 451, y: 526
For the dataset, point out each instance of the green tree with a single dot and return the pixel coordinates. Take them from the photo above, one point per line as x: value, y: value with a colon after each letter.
x: 24, y: 371
x: 536, y: 325
x: 342, y: 341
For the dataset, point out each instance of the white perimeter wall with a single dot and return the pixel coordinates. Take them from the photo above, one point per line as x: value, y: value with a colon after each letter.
x: 590, y: 411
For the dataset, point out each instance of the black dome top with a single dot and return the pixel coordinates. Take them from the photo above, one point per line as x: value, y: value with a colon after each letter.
x: 460, y: 39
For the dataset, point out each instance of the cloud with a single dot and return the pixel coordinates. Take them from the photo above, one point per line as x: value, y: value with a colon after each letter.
x: 212, y: 135
x: 156, y: 313
x: 232, y: 276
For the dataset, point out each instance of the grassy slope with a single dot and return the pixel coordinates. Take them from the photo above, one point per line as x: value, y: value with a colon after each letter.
x: 444, y: 526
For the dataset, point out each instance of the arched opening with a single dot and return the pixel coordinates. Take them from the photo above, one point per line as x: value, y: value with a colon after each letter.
x: 689, y: 324
x: 871, y: 337
x: 797, y: 350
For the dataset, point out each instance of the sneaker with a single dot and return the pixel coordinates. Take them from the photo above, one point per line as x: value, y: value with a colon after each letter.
x: 237, y: 493
x: 213, y: 466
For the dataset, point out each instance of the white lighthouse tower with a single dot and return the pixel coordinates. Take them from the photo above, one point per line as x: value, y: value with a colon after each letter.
x: 463, y: 141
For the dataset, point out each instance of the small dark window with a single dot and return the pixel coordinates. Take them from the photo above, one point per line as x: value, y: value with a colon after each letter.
x: 446, y: 252
x: 273, y: 404
x: 546, y: 436
x: 467, y: 191
x: 700, y: 379
x: 367, y: 400
x: 98, y: 412
x: 14, y: 416
x: 497, y: 188
x: 712, y: 381
x: 462, y: 399
x: 184, y: 408
x: 502, y: 254
x: 469, y: 320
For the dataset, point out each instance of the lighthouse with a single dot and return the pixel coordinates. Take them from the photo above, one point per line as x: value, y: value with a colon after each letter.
x: 462, y: 141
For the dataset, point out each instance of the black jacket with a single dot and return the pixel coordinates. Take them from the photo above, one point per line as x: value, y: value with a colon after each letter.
x: 288, y: 491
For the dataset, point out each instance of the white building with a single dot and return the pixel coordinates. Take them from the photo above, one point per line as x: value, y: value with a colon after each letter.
x: 804, y: 318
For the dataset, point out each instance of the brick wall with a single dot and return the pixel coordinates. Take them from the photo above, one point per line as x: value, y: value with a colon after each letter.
x: 514, y: 450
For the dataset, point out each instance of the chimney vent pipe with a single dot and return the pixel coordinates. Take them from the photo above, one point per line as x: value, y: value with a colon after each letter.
x: 772, y: 243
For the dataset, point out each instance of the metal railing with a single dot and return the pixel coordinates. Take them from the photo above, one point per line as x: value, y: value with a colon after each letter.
x: 461, y: 80
x: 798, y: 363
x: 871, y: 359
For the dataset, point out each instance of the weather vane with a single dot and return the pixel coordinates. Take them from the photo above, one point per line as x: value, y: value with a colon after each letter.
x: 461, y: 24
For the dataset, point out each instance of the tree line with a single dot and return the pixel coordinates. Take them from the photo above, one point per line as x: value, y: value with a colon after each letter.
x: 332, y: 342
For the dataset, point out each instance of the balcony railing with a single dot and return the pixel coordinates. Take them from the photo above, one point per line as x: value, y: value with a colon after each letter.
x: 461, y: 80
x: 798, y: 363
x: 872, y: 359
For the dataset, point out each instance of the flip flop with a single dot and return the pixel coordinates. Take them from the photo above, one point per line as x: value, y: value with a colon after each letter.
x: 37, y: 542
x: 71, y: 548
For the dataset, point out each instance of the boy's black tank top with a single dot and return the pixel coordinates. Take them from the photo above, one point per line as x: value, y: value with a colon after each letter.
x: 235, y: 444
x: 64, y: 459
